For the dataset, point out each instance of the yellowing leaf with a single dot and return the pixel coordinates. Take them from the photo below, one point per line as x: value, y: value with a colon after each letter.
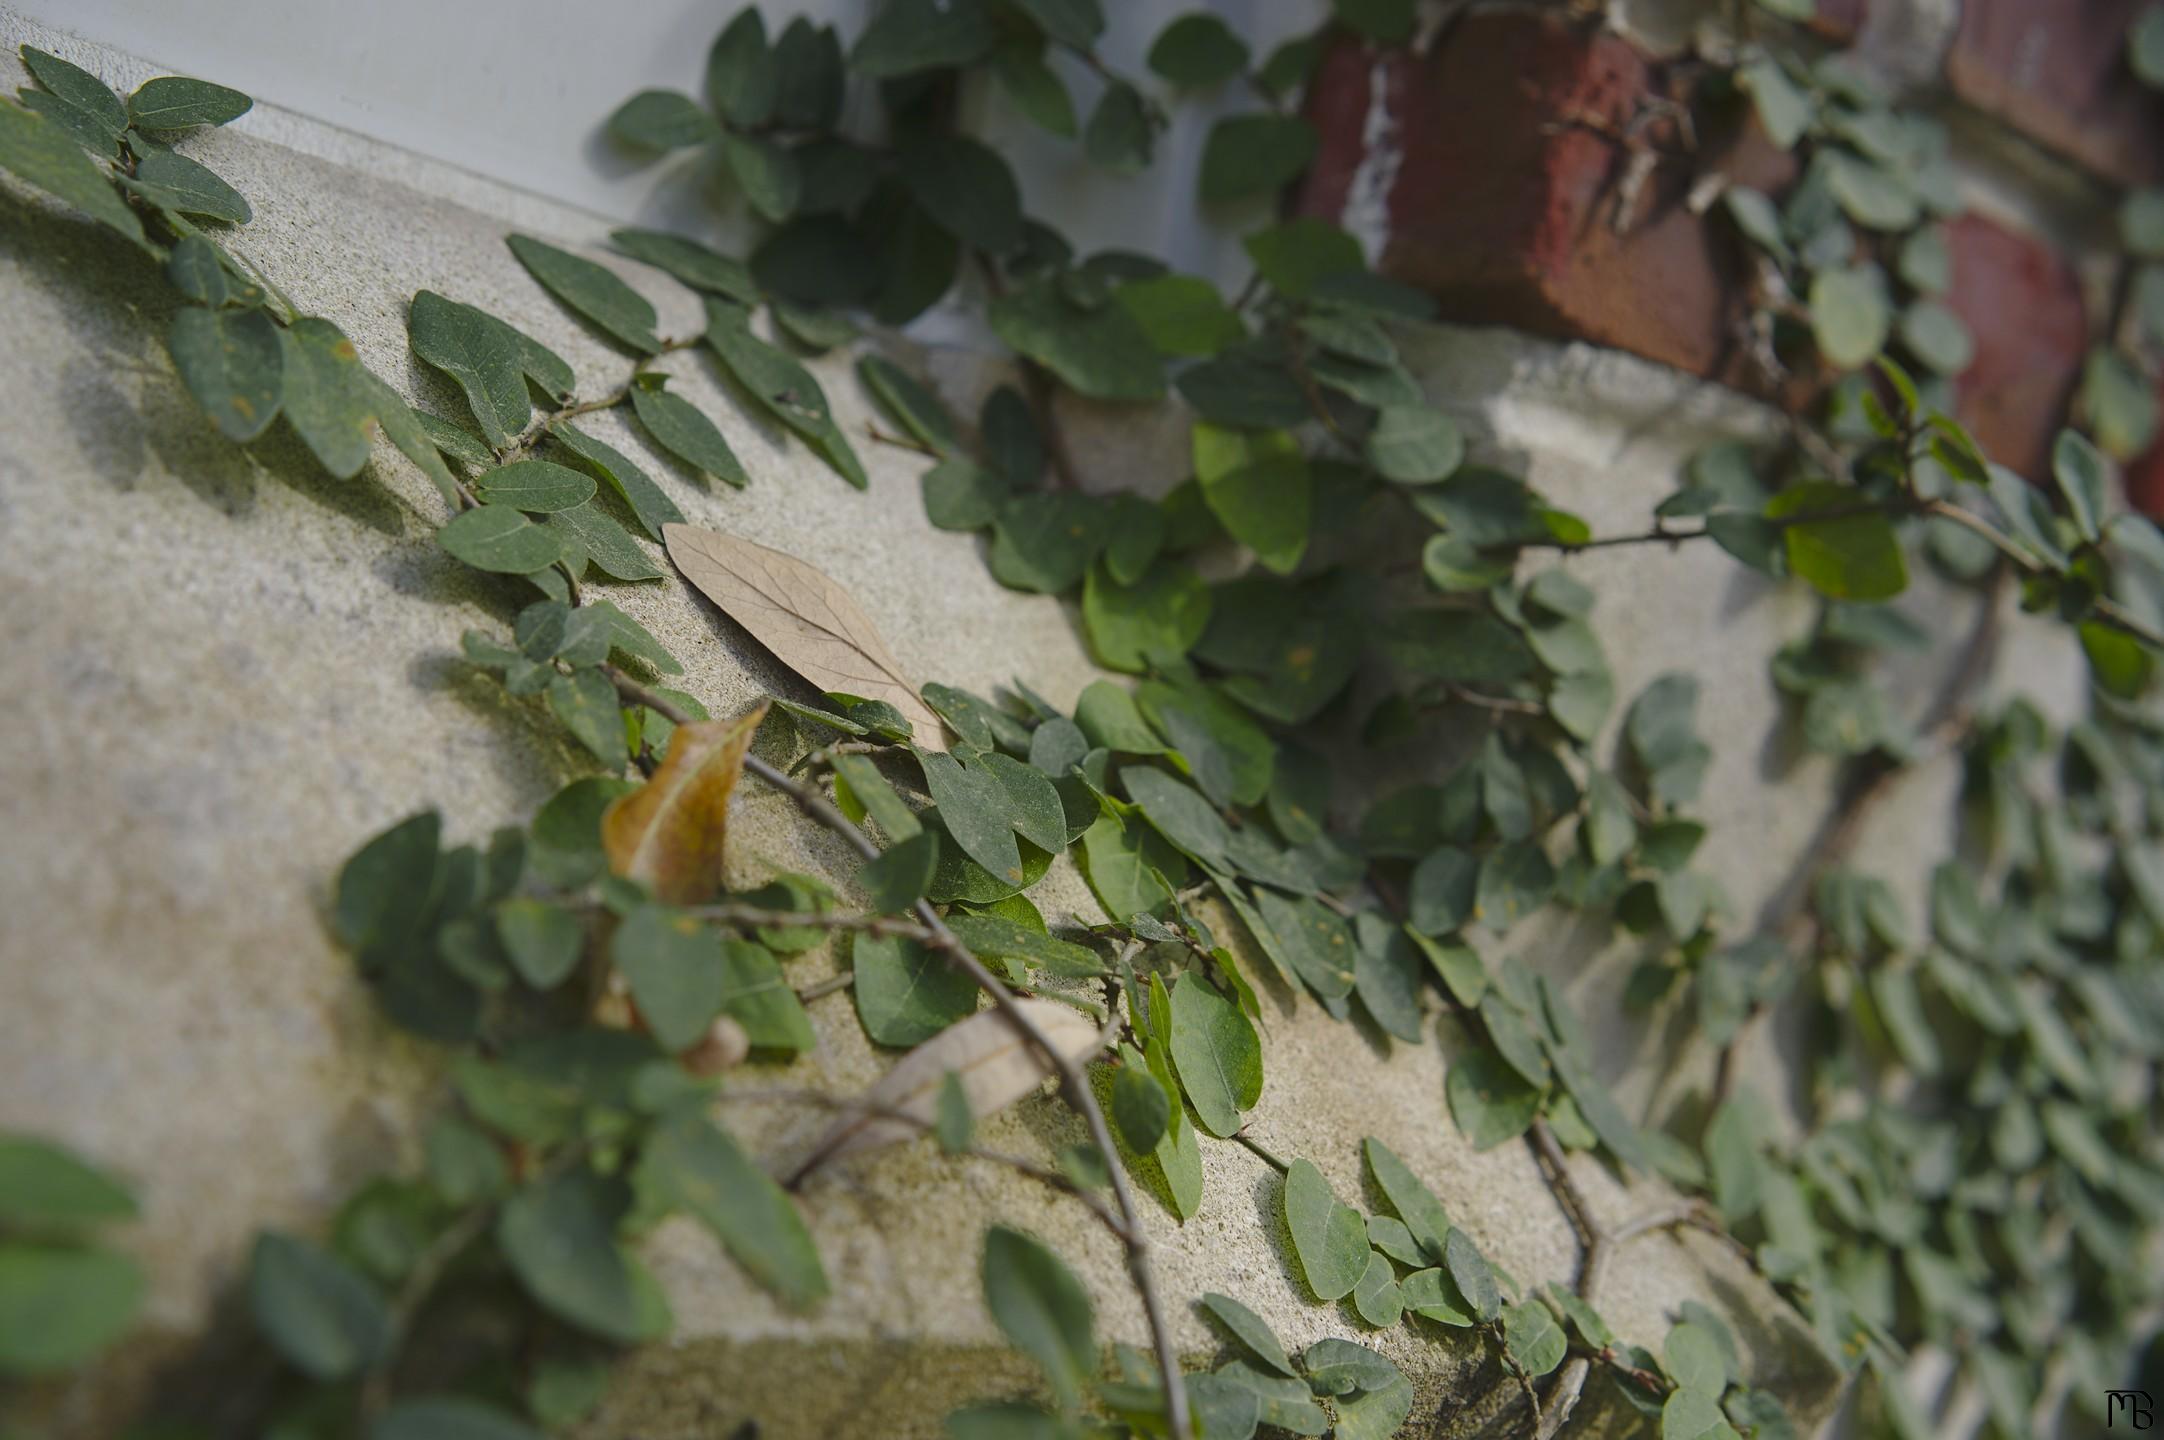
x: 668, y: 833
x: 988, y: 1056
x: 812, y: 624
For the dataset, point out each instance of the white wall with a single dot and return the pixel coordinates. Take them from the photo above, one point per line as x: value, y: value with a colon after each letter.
x: 517, y: 90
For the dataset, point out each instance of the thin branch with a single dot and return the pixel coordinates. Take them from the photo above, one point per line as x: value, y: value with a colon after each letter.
x: 827, y: 987
x: 747, y: 917
x: 1072, y: 1081
x: 533, y: 434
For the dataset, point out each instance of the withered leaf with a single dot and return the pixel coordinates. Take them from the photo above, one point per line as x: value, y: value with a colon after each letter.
x: 811, y: 623
x: 994, y: 1064
x: 668, y: 833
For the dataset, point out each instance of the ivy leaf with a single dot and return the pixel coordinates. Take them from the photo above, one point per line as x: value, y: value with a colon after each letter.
x: 78, y: 88
x: 43, y: 154
x: 559, y: 1235
x: 1102, y: 353
x: 1415, y: 1204
x: 691, y: 1165
x: 1156, y: 620
x: 1140, y: 1107
x: 535, y: 486
x: 741, y: 78
x: 2081, y: 474
x: 905, y: 993
x: 233, y: 363
x: 1245, y: 390
x: 1414, y: 445
x: 594, y: 291
x: 1034, y: 87
x: 60, y: 1306
x: 1255, y: 154
x: 1179, y: 814
x: 173, y: 182
x: 1312, y: 941
x: 1849, y: 315
x: 1489, y: 1099
x: 586, y: 704
x: 1851, y: 557
x: 543, y: 940
x: 997, y: 1067
x: 1327, y: 1234
x: 1217, y: 1054
x: 1433, y: 1295
x: 682, y: 429
x: 1181, y: 314
x: 174, y: 102
x: 1257, y: 485
x: 668, y: 835
x: 1251, y: 1330
x: 966, y: 188
x: 907, y: 37
x: 649, y: 504
x: 786, y: 389
x: 42, y: 1185
x: 913, y: 404
x: 326, y: 396
x: 1474, y: 1278
x: 674, y: 965
x: 1298, y: 256
x: 766, y: 173
x: 1533, y: 1338
x: 1041, y: 1307
x: 696, y: 265
x: 491, y: 362
x: 662, y: 120
x: 1198, y: 50
x: 1342, y: 1367
x: 1121, y: 134
x: 449, y: 1418
x: 318, y: 1312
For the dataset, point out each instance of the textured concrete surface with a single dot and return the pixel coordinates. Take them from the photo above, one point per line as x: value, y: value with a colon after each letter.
x: 225, y: 670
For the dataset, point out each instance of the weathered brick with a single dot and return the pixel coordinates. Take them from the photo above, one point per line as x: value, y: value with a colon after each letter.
x: 2056, y: 71
x: 2023, y: 305
x: 1511, y: 148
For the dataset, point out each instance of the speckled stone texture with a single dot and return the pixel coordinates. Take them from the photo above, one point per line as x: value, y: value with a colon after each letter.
x: 224, y: 671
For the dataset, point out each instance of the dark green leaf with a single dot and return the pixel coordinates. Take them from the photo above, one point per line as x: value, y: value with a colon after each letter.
x: 1251, y: 1330
x: 1140, y: 1108
x: 327, y: 399
x: 905, y: 993
x: 233, y: 364
x: 559, y: 1236
x: 1103, y: 353
x: 174, y: 102
x: 594, y: 291
x: 1198, y: 50
x: 317, y: 1312
x: 81, y: 90
x: 689, y: 261
x: 674, y: 965
x: 696, y: 1167
x: 59, y: 1307
x: 1490, y: 1100
x: 1121, y: 133
x: 543, y: 940
x: 1041, y: 1307
x: 662, y: 120
x: 786, y: 389
x: 1217, y: 1055
x: 47, y: 156
x: 1255, y: 154
x: 910, y: 36
x: 449, y: 1418
x: 1328, y: 1235
x: 683, y: 430
x: 490, y: 360
x: 172, y: 181
x: 967, y: 188
x: 535, y: 486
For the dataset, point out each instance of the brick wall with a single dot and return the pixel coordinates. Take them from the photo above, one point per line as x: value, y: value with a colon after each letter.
x: 1535, y: 176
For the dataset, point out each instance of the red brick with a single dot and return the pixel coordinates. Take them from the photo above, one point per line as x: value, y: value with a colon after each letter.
x: 1506, y: 189
x: 2056, y: 71
x: 2023, y: 306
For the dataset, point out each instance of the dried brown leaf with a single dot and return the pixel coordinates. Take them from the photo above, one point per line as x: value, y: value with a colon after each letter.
x: 668, y: 833
x: 994, y: 1063
x: 812, y: 624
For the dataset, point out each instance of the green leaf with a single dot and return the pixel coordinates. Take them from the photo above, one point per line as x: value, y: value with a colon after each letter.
x: 1257, y: 484
x: 1869, y: 194
x: 490, y: 360
x: 1132, y: 627
x: 1140, y: 1108
x: 1515, y: 880
x: 1414, y: 445
x: 605, y: 542
x: 1122, y: 129
x: 1041, y: 1307
x: 173, y: 182
x: 696, y: 265
x: 756, y: 994
x: 2083, y: 479
x: 912, y: 402
x: 741, y: 78
x: 586, y: 703
x: 174, y: 102
x: 316, y: 1311
x: 592, y: 290
x: 559, y: 1235
x: 1198, y: 50
x: 1255, y: 154
x: 384, y: 887
x: 1433, y: 1295
x: 1102, y: 353
x: 327, y: 398
x: 1217, y: 1054
x: 966, y: 188
x: 1181, y: 314
x: 1312, y: 941
x: 1251, y: 1330
x: 1075, y: 23
x: 59, y: 1307
x: 1489, y: 1099
x: 691, y: 1165
x: 1377, y: 1298
x: 543, y: 940
x: 1328, y: 1235
x: 902, y: 873
x: 1245, y: 389
x: 786, y: 389
x: 1849, y: 315
x: 80, y: 89
x: 766, y: 173
x: 42, y: 1185
x: 1179, y: 814
x: 662, y: 120
x: 46, y: 156
x: 682, y: 429
x: 449, y: 1418
x: 973, y: 805
x: 905, y: 993
x: 232, y: 362
x: 2145, y: 47
x: 1694, y: 1360
x: 1298, y: 256
x: 1034, y: 87
x: 1343, y: 1367
x: 674, y: 965
x: 1936, y: 336
x: 1853, y: 557
x: 1415, y: 1204
x: 535, y: 486
x: 1694, y: 1415
x: 910, y: 36
x: 1533, y: 1338
x: 1470, y: 1271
